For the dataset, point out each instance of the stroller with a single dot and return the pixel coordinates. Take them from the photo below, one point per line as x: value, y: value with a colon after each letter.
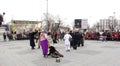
x: 54, y: 53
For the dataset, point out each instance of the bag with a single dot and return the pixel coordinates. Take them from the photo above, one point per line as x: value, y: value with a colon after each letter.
x: 58, y: 59
x: 70, y: 39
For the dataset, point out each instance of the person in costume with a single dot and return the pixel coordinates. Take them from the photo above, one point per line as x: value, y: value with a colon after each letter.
x: 44, y: 43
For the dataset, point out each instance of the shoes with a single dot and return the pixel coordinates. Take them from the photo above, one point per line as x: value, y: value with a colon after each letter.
x: 61, y: 56
x: 45, y: 56
x: 74, y: 49
x: 32, y: 48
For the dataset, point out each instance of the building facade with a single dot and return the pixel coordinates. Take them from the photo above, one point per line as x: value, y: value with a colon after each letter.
x: 110, y: 24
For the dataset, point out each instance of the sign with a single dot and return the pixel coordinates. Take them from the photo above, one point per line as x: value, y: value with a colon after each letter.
x: 84, y: 23
x: 78, y: 23
x: 81, y: 23
x: 20, y: 26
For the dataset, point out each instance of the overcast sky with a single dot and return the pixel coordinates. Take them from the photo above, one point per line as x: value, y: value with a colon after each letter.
x: 68, y: 10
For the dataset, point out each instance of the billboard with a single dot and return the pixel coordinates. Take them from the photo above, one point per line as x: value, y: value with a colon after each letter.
x: 84, y: 23
x: 81, y: 23
x: 20, y: 26
x: 78, y: 23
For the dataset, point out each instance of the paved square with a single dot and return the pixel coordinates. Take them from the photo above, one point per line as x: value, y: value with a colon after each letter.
x: 94, y: 53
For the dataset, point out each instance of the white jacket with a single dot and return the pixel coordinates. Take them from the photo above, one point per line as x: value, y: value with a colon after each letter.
x: 66, y: 38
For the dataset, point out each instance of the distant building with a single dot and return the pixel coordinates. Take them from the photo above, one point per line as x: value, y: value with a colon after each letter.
x: 111, y: 24
x: 20, y: 26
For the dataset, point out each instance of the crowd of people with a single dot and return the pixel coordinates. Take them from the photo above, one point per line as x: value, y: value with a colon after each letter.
x: 104, y: 36
x: 14, y: 36
x: 8, y: 36
x: 46, y: 41
x: 72, y: 39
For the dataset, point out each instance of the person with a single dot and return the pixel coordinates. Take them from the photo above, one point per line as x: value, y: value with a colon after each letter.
x: 104, y: 35
x: 98, y: 35
x: 75, y: 38
x: 44, y: 43
x: 7, y: 35
x: 71, y: 42
x: 37, y: 37
x: 54, y: 37
x: 79, y: 38
x: 54, y: 53
x: 67, y: 41
x: 4, y: 36
x: 82, y: 39
x: 31, y: 37
x: 50, y: 41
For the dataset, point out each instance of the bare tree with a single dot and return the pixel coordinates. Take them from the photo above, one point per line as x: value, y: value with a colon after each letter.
x: 57, y: 24
x: 49, y: 20
x: 52, y: 22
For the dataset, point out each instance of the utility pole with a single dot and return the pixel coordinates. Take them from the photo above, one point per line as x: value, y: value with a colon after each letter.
x: 47, y: 27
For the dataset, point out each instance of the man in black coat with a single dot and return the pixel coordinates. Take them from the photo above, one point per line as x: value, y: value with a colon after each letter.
x: 31, y: 37
x: 75, y: 37
x: 4, y: 36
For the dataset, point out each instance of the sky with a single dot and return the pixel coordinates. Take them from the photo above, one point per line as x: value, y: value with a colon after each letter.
x: 68, y: 10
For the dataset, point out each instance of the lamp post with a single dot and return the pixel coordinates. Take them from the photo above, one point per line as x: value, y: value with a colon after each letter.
x: 47, y: 7
x: 47, y: 14
x: 3, y: 13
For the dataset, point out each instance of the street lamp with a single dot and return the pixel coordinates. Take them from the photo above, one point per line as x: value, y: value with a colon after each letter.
x: 47, y: 14
x: 3, y: 13
x: 47, y: 7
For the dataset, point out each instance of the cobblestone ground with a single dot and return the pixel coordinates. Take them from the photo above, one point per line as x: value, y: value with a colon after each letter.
x: 94, y: 53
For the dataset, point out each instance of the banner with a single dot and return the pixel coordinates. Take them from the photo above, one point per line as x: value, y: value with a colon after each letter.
x: 84, y: 23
